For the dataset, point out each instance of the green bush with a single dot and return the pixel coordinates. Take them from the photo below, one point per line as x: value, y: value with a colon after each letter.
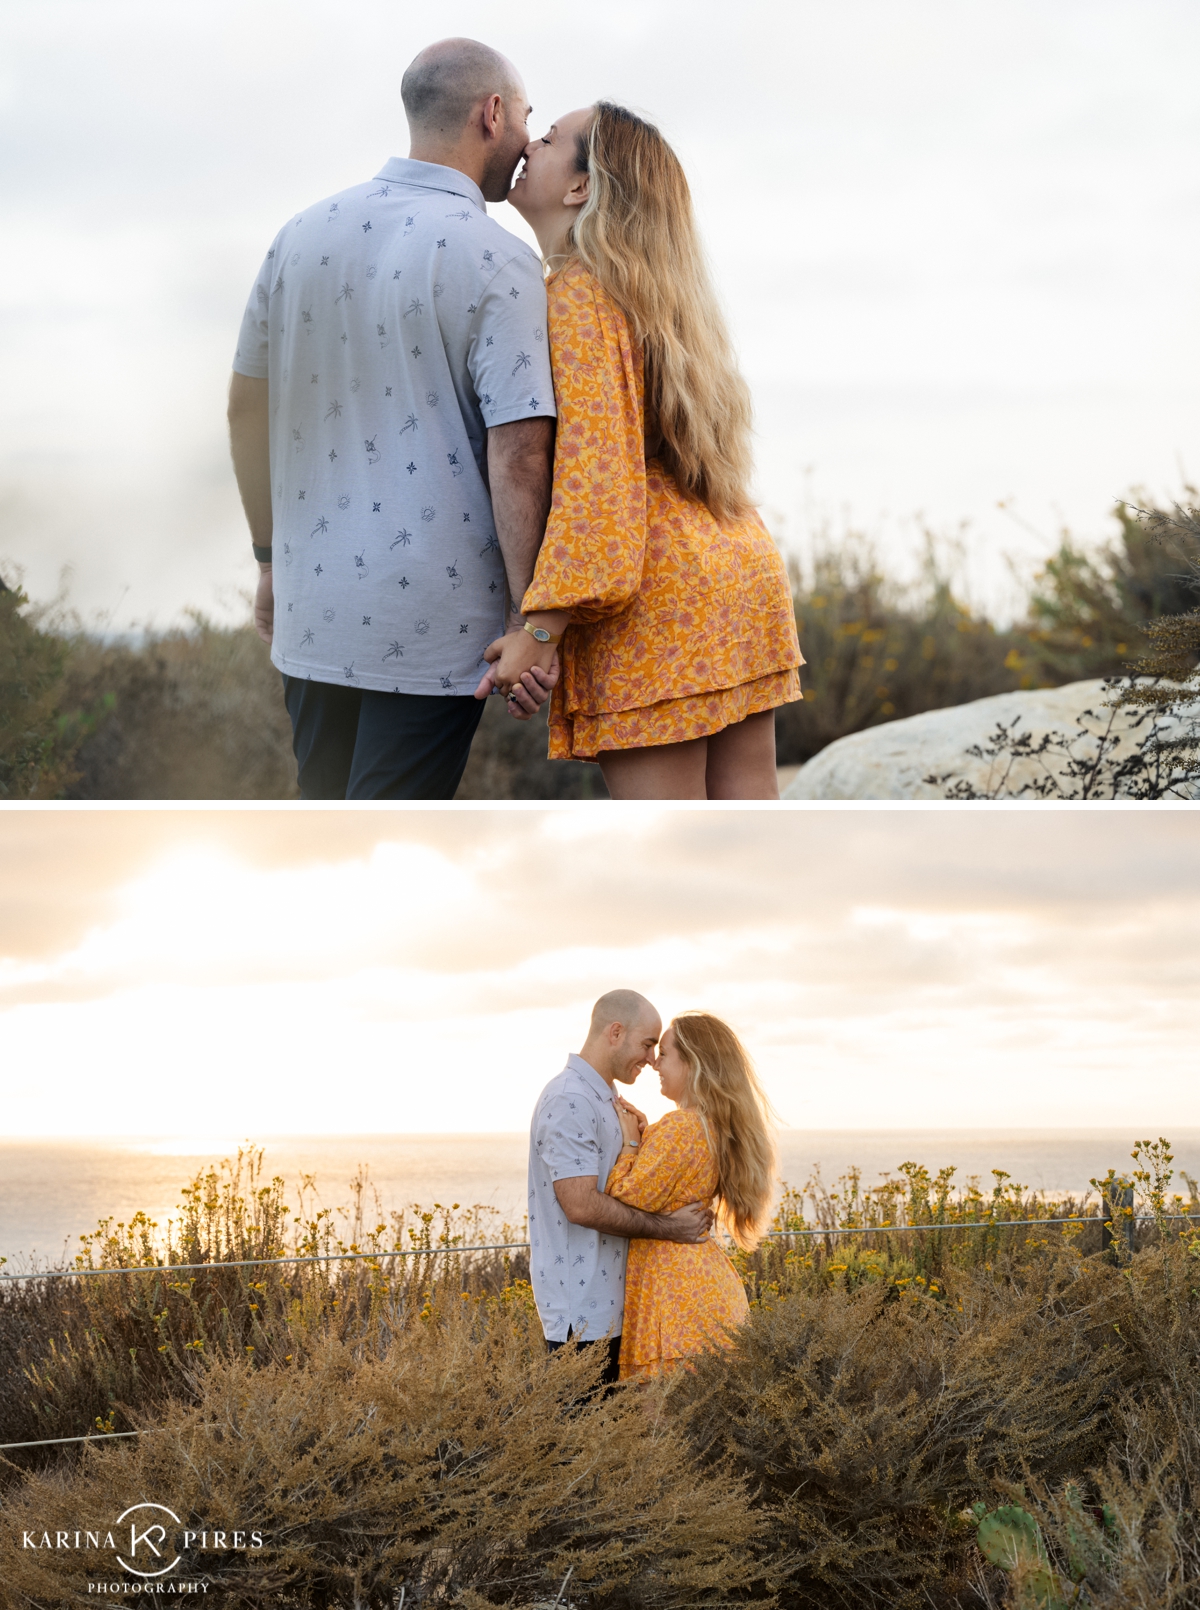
x: 1089, y: 611
x: 876, y: 652
x: 34, y: 763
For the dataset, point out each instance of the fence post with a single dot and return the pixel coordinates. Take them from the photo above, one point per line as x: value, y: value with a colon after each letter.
x: 1119, y: 1223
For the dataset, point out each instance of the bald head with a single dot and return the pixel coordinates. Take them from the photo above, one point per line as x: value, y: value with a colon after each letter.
x: 623, y: 1006
x: 446, y: 81
x: 623, y: 1033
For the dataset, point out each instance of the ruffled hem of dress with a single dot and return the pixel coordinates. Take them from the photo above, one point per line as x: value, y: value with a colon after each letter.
x: 671, y: 721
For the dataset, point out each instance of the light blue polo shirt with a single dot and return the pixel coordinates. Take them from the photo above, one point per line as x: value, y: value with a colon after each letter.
x: 395, y: 323
x: 578, y: 1275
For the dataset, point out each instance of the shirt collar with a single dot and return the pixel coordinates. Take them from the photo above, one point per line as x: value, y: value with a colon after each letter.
x: 431, y: 176
x: 590, y: 1077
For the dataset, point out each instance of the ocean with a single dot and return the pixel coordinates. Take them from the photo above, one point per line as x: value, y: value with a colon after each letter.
x: 52, y: 1190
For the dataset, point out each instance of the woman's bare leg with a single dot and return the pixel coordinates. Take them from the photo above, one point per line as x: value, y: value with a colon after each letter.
x: 741, y: 760
x: 736, y: 763
x: 666, y: 771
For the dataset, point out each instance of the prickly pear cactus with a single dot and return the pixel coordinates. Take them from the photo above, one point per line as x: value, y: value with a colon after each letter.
x: 1090, y: 1548
x: 1010, y: 1538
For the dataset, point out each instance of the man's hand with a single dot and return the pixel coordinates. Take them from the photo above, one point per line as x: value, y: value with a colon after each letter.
x: 687, y: 1224
x: 530, y: 694
x: 264, y: 605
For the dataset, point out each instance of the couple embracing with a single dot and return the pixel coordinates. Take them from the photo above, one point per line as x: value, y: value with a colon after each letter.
x: 426, y: 535
x: 619, y: 1211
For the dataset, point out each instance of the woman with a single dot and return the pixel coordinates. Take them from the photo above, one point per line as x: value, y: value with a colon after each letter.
x: 678, y: 636
x: 680, y: 1299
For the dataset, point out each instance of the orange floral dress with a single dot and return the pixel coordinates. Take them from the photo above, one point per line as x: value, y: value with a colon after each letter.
x: 681, y: 625
x: 678, y: 1299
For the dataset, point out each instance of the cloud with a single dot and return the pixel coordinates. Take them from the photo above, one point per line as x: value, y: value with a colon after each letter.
x: 428, y: 970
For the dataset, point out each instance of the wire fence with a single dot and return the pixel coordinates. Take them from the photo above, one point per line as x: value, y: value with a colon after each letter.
x: 517, y: 1246
x: 255, y: 1263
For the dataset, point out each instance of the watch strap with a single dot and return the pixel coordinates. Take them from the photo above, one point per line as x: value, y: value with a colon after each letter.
x: 536, y: 632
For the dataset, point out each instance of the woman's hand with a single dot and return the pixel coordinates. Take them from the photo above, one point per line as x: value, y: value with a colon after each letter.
x: 512, y: 655
x: 631, y: 1129
x: 633, y: 1122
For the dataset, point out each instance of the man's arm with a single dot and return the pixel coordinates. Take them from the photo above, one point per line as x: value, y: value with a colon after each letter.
x: 588, y: 1206
x: 249, y: 442
x: 520, y: 458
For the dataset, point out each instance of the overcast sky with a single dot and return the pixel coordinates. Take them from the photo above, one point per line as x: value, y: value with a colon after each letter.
x: 958, y: 244
x: 322, y: 972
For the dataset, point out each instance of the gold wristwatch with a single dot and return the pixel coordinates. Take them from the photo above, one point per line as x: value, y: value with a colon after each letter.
x: 541, y: 634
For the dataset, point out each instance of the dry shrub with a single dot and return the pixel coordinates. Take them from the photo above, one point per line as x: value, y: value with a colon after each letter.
x: 878, y: 651
x: 462, y: 1464
x: 195, y: 714
x: 1146, y: 1488
x: 198, y: 713
x: 868, y: 1419
x: 1091, y: 612
x: 397, y: 1423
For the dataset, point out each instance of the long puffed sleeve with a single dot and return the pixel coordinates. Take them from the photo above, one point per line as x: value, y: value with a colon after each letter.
x: 592, y: 556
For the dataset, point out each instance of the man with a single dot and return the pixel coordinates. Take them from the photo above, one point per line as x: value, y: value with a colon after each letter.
x: 577, y: 1235
x: 392, y: 424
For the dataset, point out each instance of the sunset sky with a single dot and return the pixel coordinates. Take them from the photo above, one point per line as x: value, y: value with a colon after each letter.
x: 957, y: 244
x: 232, y: 973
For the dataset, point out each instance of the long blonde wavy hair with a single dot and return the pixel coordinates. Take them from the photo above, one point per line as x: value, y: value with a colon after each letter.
x: 637, y: 234
x: 724, y: 1090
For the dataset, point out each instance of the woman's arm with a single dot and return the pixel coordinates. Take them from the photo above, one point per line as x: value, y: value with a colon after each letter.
x: 590, y: 562
x: 647, y: 1176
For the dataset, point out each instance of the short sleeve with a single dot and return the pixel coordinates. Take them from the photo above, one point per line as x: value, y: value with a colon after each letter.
x: 648, y: 1179
x: 592, y: 555
x: 509, y: 353
x: 567, y: 1138
x: 250, y: 358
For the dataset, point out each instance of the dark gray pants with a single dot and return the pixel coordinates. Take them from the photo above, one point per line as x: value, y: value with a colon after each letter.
x: 354, y: 743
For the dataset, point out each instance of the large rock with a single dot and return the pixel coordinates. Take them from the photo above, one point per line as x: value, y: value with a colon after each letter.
x: 892, y: 761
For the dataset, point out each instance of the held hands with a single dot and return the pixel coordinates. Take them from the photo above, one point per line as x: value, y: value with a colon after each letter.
x: 522, y: 669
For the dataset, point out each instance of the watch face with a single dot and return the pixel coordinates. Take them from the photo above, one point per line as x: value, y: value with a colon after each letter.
x: 542, y: 635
